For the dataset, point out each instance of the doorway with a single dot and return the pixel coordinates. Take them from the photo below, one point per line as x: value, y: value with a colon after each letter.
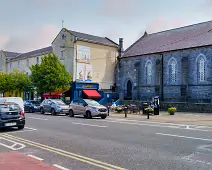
x: 129, y: 89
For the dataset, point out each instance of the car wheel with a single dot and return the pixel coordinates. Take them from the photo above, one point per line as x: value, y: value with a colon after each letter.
x: 71, y: 113
x: 21, y: 127
x: 30, y: 110
x: 88, y: 115
x: 103, y: 116
x: 53, y: 112
x: 42, y: 111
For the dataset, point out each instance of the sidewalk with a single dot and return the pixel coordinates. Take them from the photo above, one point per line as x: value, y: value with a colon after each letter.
x: 19, y: 161
x: 178, y: 118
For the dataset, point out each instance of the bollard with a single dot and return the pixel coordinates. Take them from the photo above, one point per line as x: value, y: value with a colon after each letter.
x: 108, y: 111
x: 148, y: 114
x: 125, y: 111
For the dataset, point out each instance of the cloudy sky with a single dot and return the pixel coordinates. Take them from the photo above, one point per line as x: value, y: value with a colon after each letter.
x: 31, y: 24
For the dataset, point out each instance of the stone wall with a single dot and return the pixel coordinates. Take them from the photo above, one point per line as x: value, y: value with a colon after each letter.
x: 188, y: 107
x: 181, y: 107
x: 186, y: 88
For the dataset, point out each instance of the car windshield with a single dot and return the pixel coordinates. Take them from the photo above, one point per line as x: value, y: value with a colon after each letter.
x: 35, y: 102
x: 92, y: 102
x: 58, y: 102
x: 8, y: 107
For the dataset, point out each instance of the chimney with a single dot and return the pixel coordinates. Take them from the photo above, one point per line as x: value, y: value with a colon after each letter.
x: 121, y: 45
x: 121, y: 49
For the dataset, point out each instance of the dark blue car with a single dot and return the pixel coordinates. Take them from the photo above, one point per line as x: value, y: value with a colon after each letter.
x: 31, y: 106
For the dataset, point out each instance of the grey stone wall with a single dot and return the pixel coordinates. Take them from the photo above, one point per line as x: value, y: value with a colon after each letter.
x: 187, y: 107
x: 196, y: 91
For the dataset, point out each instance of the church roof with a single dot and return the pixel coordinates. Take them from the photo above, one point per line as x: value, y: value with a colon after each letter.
x: 191, y: 36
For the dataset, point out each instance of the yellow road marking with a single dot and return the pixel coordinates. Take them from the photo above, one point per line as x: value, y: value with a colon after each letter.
x: 66, y: 154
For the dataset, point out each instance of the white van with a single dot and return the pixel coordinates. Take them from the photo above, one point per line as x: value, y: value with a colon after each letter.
x: 17, y: 100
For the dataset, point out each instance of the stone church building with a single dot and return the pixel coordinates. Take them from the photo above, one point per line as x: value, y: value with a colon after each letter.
x: 175, y: 64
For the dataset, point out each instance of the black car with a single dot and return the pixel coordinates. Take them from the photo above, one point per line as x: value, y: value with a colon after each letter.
x: 31, y: 106
x: 11, y: 115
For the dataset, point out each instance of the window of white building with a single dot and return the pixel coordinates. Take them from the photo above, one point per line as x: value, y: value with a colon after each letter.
x: 63, y: 54
x: 37, y: 60
x: 1, y: 63
x: 27, y: 62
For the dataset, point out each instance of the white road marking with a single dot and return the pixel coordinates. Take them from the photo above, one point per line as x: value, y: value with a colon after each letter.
x: 60, y: 167
x: 88, y: 125
x: 36, y: 118
x: 35, y: 157
x: 30, y: 128
x: 187, y: 137
x: 160, y: 123
x: 21, y: 131
x: 12, y: 147
x: 157, y: 124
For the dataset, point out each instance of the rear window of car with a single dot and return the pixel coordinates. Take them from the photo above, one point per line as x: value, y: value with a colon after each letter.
x: 9, y: 108
x: 35, y: 102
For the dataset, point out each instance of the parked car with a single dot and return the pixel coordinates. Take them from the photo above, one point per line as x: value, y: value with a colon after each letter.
x: 31, y: 106
x: 11, y: 115
x: 17, y: 100
x: 88, y: 108
x: 54, y: 106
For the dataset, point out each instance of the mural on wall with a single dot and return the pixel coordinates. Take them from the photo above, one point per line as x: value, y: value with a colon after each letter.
x: 83, y: 54
x: 88, y: 73
x: 80, y: 72
x: 84, y: 68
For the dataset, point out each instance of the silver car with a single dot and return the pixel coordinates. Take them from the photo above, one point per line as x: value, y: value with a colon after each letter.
x: 88, y: 108
x: 54, y: 106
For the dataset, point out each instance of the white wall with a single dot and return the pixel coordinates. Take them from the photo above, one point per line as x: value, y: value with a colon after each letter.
x: 68, y: 52
x: 23, y: 67
x: 2, y: 62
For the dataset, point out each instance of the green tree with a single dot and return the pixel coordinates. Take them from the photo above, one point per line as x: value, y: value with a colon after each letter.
x: 15, y: 81
x: 50, y: 75
x: 20, y: 81
x: 5, y: 83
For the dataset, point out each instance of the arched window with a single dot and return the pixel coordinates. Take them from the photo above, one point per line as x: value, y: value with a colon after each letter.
x: 172, y: 71
x: 149, y: 72
x: 201, y: 68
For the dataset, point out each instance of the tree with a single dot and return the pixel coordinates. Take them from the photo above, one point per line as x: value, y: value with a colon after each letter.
x: 20, y: 81
x: 4, y: 83
x: 50, y: 75
x: 15, y: 81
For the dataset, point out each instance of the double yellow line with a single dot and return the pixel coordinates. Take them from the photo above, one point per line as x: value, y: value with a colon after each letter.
x: 74, y: 156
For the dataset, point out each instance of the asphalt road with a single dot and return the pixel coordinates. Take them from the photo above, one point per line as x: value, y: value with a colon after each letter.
x: 92, y: 144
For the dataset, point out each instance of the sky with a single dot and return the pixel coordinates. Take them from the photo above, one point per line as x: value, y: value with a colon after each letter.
x: 32, y: 24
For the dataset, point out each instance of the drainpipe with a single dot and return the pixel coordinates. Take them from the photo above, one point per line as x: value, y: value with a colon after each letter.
x: 162, y: 78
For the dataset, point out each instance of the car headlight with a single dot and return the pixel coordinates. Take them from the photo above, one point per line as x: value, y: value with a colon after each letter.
x: 94, y: 109
x: 58, y: 107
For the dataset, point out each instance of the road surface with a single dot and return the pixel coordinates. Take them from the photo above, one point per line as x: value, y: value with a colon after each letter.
x: 92, y: 144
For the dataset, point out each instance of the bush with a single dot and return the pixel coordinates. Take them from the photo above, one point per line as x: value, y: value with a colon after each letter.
x: 118, y: 109
x: 172, y: 110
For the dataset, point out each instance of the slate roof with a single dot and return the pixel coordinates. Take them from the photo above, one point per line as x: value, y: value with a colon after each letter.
x: 10, y: 54
x: 39, y: 52
x: 93, y: 39
x: 175, y: 39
